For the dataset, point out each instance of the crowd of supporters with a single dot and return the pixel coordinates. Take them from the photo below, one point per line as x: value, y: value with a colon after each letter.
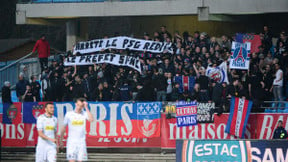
x: 193, y: 53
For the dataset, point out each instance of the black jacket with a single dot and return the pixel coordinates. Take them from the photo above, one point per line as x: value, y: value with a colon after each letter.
x: 146, y: 93
x: 21, y: 87
x: 107, y: 95
x: 280, y: 133
x: 78, y: 90
x: 217, y: 93
x: 160, y: 82
x: 6, y: 95
x: 36, y: 90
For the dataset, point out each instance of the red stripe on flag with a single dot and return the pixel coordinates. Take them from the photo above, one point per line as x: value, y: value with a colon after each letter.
x: 246, y: 102
x: 234, y: 119
x: 185, y: 83
x: 255, y: 41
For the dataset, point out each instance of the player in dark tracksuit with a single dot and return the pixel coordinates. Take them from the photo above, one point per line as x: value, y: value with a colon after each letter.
x: 280, y: 132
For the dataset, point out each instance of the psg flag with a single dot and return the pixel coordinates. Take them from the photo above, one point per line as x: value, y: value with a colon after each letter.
x: 252, y: 38
x: 12, y: 113
x: 186, y: 83
x: 239, y: 113
x: 31, y: 111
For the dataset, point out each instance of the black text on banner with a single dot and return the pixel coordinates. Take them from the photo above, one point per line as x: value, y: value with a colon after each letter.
x: 122, y: 43
x: 109, y: 58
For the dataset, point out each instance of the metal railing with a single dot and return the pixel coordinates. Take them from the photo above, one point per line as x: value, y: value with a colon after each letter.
x: 16, y: 62
x: 275, y: 106
x: 11, y: 71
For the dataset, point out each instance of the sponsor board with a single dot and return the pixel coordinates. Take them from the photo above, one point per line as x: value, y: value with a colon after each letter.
x: 259, y: 126
x: 231, y: 150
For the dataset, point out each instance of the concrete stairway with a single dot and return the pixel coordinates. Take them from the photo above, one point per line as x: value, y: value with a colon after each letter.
x: 98, y: 157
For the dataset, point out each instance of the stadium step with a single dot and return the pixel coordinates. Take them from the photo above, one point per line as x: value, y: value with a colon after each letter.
x: 98, y: 157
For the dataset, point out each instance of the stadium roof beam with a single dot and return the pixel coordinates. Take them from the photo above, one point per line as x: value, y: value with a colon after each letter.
x: 146, y: 8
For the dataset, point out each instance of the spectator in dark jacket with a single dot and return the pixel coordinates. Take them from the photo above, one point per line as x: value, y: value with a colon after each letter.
x: 217, y: 96
x: 145, y: 92
x: 35, y: 87
x: 107, y: 92
x: 203, y: 81
x: 86, y: 85
x: 196, y: 93
x: 280, y: 132
x: 58, y: 86
x: 185, y: 96
x: 167, y: 67
x: 6, y: 92
x: 99, y: 93
x: 175, y: 95
x: 233, y: 89
x: 28, y: 95
x: 140, y: 93
x: 21, y: 87
x: 160, y: 84
x: 78, y: 88
x: 125, y: 91
x: 43, y: 48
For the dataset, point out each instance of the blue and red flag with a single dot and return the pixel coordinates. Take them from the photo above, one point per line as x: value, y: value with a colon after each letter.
x: 239, y: 113
x: 31, y: 110
x: 1, y: 112
x: 186, y: 83
x: 118, y: 119
x: 252, y: 38
x: 12, y: 113
x: 148, y: 119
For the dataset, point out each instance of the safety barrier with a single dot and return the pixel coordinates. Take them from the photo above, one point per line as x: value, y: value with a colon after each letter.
x: 123, y: 124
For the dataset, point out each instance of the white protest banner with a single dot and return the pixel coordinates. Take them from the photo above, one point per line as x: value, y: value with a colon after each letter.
x: 219, y: 73
x: 109, y: 58
x: 122, y: 43
x: 240, y: 57
x: 205, y: 112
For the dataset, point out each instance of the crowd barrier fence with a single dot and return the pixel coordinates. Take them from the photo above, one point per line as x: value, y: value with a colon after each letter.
x: 121, y: 124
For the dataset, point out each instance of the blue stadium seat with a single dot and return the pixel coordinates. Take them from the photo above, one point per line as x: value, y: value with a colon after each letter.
x: 277, y: 111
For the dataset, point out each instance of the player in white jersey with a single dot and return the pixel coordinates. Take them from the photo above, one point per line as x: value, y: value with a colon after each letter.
x: 76, y: 121
x: 46, y: 149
